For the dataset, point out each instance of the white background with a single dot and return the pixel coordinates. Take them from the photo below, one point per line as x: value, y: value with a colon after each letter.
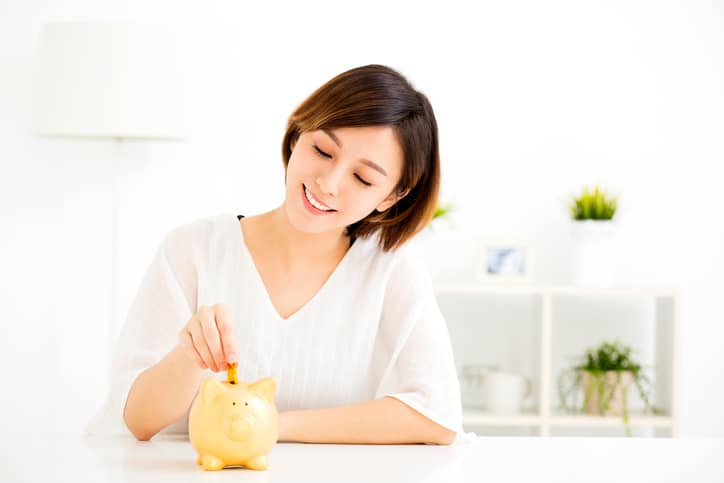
x: 533, y: 100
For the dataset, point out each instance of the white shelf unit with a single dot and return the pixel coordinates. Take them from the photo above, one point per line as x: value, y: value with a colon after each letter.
x: 539, y: 313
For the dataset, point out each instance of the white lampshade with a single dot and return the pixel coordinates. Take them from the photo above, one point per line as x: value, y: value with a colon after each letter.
x: 109, y: 79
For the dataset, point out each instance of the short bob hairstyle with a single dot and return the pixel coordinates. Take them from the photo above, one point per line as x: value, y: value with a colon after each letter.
x: 376, y: 95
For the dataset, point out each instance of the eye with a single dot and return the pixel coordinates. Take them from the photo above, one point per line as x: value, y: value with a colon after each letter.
x: 327, y: 155
x: 246, y: 404
x: 366, y: 183
x: 233, y: 404
x: 321, y: 153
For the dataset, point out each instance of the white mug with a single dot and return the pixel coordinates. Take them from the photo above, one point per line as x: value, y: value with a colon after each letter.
x: 472, y: 383
x: 504, y: 392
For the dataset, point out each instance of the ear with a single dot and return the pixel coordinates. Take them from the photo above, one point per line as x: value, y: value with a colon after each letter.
x: 266, y: 388
x: 390, y: 201
x: 211, y: 388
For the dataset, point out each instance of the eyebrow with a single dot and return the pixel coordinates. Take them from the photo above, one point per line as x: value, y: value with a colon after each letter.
x: 369, y: 163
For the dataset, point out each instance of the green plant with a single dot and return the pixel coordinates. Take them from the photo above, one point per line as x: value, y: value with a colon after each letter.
x: 592, y: 376
x: 593, y: 205
x: 441, y: 211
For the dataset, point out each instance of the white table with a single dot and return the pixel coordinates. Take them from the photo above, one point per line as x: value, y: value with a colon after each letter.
x: 57, y: 457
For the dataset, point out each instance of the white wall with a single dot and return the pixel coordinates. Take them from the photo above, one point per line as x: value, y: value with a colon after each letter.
x: 533, y: 99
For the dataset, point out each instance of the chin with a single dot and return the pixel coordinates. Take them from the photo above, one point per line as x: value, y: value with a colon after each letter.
x: 300, y: 222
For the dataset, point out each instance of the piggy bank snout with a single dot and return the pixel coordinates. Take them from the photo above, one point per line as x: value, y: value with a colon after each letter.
x: 238, y: 426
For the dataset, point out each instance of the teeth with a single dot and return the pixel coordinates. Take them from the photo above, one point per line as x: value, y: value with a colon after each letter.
x: 314, y: 202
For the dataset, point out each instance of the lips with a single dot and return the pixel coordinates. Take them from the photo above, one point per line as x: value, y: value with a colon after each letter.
x: 313, y: 202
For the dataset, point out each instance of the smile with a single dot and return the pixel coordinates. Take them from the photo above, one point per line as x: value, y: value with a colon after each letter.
x: 315, y: 202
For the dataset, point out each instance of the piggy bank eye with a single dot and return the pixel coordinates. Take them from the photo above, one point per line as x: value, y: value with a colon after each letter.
x: 234, y: 404
x: 246, y: 404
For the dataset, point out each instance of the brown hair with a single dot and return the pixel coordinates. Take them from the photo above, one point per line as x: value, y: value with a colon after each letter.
x: 376, y: 95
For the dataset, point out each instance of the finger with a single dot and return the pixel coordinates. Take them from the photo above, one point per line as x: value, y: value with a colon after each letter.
x: 225, y: 327
x: 188, y: 344
x: 199, y: 343
x: 211, y: 335
x: 197, y: 335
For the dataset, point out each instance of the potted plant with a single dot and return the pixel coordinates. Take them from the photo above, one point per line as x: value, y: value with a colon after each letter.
x: 604, y: 376
x: 593, y: 205
x: 442, y: 212
x: 592, y: 213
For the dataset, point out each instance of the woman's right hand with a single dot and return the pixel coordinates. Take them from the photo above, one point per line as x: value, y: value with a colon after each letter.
x: 209, y: 338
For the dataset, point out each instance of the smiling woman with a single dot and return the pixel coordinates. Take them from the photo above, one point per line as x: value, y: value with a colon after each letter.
x: 321, y: 293
x: 336, y: 177
x: 395, y: 129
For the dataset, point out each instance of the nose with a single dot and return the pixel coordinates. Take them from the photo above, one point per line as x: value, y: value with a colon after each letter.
x: 238, y: 428
x: 329, y: 182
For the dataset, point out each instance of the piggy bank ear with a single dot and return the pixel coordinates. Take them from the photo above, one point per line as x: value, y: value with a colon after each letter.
x: 211, y: 388
x: 266, y: 388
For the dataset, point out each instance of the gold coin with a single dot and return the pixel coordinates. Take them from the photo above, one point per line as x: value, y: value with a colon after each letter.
x: 231, y: 374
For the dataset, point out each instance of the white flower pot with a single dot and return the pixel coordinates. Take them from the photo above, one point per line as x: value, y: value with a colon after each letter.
x: 593, y: 254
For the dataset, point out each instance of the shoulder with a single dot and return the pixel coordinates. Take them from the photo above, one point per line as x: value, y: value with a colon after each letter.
x: 410, y: 276
x: 203, y: 227
x: 402, y: 266
x: 198, y: 234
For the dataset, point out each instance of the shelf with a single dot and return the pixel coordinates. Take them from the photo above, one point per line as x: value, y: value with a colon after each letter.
x: 525, y: 289
x: 529, y: 329
x: 649, y: 421
x: 483, y: 418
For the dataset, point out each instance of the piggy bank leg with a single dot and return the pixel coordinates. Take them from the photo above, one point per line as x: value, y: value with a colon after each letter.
x: 211, y: 462
x: 258, y: 463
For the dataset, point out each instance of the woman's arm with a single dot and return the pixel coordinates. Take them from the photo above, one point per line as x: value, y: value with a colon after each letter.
x: 161, y: 394
x: 381, y: 421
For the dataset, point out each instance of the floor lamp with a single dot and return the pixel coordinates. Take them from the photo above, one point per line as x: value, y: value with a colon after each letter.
x: 118, y: 81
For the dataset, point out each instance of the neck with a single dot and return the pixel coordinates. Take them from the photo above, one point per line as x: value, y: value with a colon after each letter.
x: 296, y: 245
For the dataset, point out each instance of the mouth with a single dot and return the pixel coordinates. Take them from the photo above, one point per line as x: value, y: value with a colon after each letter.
x: 313, y: 204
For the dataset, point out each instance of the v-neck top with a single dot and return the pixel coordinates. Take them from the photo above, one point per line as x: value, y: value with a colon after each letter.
x: 373, y: 329
x: 264, y: 296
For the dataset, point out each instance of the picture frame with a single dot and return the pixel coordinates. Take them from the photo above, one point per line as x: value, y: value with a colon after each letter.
x: 505, y: 260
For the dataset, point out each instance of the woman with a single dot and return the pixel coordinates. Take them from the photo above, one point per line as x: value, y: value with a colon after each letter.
x: 320, y: 293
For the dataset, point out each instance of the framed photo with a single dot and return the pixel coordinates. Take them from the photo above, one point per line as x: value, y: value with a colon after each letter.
x: 505, y: 260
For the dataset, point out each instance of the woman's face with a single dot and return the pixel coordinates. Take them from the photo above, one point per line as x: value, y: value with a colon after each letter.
x: 337, y: 177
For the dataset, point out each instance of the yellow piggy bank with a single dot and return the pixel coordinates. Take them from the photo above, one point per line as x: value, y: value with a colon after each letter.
x: 234, y: 424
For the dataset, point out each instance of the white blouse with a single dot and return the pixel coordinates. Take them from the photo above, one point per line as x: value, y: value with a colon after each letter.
x: 373, y: 329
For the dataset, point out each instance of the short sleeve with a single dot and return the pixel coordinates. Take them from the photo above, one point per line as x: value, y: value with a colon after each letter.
x: 416, y: 350
x: 164, y: 302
